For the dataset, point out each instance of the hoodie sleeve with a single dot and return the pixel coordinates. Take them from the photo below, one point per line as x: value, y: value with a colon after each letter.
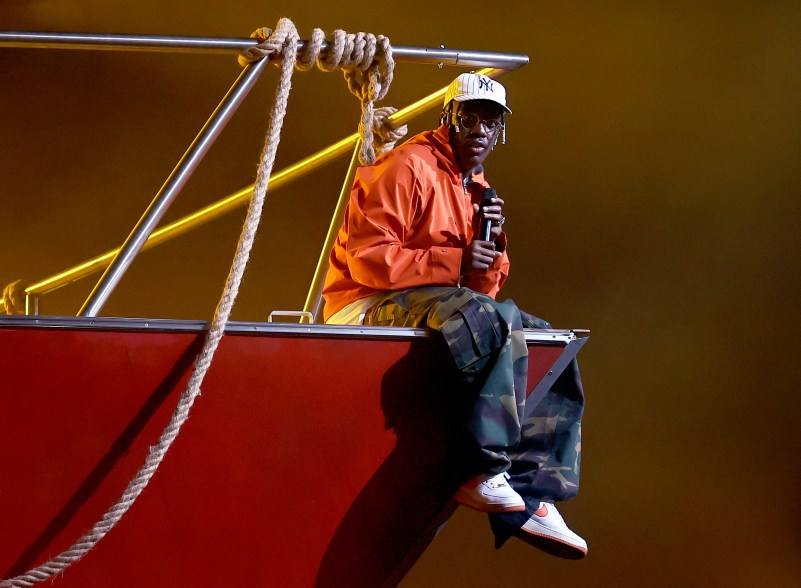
x: 384, y: 202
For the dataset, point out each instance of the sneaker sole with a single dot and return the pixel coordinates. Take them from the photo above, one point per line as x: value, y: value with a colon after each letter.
x: 551, y: 544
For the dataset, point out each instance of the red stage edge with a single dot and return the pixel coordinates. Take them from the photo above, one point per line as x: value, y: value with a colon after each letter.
x: 315, y: 455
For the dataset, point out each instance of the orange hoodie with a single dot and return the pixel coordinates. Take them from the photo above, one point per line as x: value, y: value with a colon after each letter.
x: 408, y: 219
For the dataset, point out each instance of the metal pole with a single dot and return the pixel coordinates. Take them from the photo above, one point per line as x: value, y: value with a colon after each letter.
x: 163, y: 43
x: 31, y: 305
x: 175, y: 182
x: 314, y: 299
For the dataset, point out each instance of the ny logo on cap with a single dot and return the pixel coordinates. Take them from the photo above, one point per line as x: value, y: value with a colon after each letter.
x: 485, y: 83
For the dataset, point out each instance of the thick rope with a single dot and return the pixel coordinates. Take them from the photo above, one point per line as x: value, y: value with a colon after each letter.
x: 368, y: 66
x: 369, y: 79
x: 283, y: 40
x: 387, y: 135
x: 14, y: 298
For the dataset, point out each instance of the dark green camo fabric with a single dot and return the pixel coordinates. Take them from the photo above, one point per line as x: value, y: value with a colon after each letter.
x: 486, y: 341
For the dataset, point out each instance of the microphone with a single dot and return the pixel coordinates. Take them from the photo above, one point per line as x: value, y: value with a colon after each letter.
x: 486, y: 224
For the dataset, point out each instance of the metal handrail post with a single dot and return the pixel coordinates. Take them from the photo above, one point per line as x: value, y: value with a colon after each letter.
x: 173, y: 185
x: 31, y: 304
x: 314, y: 299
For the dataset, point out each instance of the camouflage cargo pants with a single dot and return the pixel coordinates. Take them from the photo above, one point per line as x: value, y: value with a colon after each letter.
x: 486, y: 341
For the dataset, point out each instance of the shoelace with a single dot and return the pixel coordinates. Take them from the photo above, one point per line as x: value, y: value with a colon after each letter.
x: 494, y: 482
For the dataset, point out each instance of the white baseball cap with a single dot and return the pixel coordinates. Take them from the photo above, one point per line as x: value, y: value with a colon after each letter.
x: 471, y: 86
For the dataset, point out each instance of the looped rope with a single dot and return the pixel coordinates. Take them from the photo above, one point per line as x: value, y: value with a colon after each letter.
x: 14, y: 298
x: 284, y: 40
x: 387, y: 134
x: 368, y: 66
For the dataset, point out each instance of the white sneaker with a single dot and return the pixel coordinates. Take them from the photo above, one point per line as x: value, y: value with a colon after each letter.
x: 547, y: 530
x: 490, y: 493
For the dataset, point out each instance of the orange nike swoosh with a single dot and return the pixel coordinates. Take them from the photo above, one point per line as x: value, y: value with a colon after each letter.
x: 542, y: 511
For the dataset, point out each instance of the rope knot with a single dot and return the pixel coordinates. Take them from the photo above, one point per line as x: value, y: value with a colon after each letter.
x: 14, y: 298
x: 367, y: 64
x: 384, y: 134
x: 269, y: 43
x: 369, y: 79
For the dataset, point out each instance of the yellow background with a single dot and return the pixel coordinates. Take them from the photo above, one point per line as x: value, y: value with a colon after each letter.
x: 651, y: 176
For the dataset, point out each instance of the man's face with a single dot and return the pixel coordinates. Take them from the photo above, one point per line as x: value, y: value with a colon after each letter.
x: 471, y: 145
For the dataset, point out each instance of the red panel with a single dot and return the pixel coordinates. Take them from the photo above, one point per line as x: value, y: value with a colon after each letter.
x: 282, y: 458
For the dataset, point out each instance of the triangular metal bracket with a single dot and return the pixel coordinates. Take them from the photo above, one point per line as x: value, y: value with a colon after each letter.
x: 539, y: 391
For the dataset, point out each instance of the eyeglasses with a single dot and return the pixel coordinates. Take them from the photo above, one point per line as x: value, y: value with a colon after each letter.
x: 469, y: 120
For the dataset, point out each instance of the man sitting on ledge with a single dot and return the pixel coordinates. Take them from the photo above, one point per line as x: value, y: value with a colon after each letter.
x: 411, y: 253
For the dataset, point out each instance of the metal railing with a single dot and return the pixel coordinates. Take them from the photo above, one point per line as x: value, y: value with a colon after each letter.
x: 145, y: 235
x: 176, y: 44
